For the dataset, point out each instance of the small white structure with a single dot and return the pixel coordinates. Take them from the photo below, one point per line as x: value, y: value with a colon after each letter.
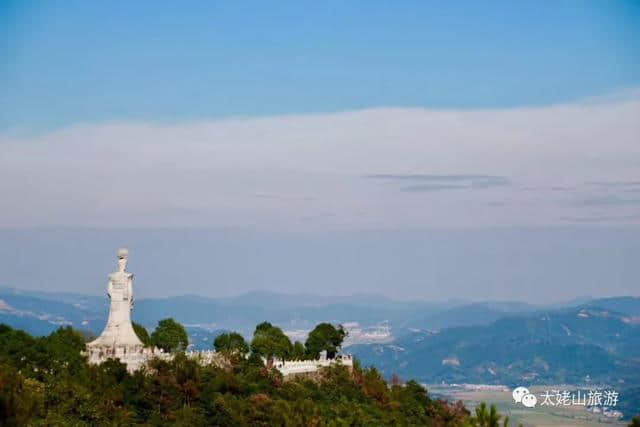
x: 292, y: 367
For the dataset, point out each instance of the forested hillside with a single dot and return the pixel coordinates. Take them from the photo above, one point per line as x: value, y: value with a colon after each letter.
x: 46, y: 381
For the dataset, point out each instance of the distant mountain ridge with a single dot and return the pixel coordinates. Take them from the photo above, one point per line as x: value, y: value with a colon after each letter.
x: 569, y: 345
x: 627, y: 305
x: 241, y: 312
x: 40, y: 312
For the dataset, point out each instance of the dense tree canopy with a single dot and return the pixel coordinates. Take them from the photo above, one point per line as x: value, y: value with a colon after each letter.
x: 231, y: 343
x: 170, y: 335
x: 298, y: 352
x: 142, y: 333
x: 269, y: 341
x: 46, y: 381
x: 325, y: 337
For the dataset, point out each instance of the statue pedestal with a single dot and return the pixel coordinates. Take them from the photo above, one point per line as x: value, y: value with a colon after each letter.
x: 133, y: 356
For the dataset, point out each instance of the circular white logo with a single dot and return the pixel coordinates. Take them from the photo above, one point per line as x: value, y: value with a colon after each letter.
x: 529, y: 400
x: 519, y: 393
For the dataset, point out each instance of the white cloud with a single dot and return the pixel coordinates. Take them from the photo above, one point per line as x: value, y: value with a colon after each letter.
x: 309, y: 171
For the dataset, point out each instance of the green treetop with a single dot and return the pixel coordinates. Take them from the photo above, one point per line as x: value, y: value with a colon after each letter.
x: 269, y: 341
x: 170, y: 336
x: 325, y: 337
x: 142, y: 333
x: 231, y: 343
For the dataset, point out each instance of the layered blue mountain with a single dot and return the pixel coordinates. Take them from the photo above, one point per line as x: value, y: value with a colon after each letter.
x: 571, y: 346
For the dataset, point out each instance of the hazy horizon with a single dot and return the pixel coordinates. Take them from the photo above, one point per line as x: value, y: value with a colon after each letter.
x: 533, y: 265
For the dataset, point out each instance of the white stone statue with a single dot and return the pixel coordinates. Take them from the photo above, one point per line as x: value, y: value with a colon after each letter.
x: 119, y: 330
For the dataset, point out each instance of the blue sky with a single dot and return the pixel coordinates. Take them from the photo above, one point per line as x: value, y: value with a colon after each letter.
x: 475, y: 149
x: 66, y: 62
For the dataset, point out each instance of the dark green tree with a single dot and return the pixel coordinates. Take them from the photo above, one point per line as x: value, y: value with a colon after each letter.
x: 635, y: 421
x: 142, y: 333
x: 20, y: 399
x: 231, y: 343
x: 269, y: 341
x: 63, y: 348
x: 487, y: 417
x: 325, y: 337
x: 298, y: 352
x: 170, y: 336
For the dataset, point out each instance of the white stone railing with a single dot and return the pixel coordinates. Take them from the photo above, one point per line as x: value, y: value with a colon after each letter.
x: 206, y: 357
x: 290, y: 367
x: 137, y: 357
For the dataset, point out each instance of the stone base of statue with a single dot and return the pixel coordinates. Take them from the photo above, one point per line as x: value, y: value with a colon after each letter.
x: 133, y: 357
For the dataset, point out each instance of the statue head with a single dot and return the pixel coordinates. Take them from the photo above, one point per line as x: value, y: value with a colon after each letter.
x: 123, y: 253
